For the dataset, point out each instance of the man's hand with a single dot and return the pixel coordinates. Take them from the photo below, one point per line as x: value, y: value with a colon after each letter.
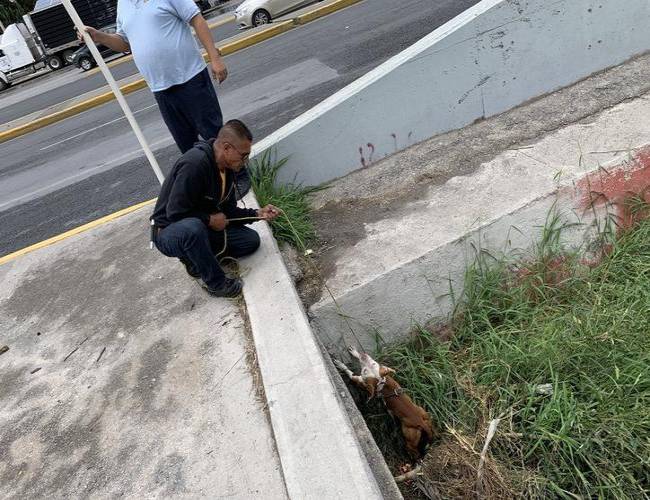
x: 203, y: 33
x: 111, y: 40
x: 218, y: 222
x: 218, y: 69
x: 269, y: 212
x: 91, y: 31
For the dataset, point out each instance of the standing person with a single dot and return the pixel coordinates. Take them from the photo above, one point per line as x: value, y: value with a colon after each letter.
x: 196, y: 218
x: 158, y: 34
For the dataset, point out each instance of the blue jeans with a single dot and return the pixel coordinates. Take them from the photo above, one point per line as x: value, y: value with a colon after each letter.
x: 190, y: 239
x: 190, y: 109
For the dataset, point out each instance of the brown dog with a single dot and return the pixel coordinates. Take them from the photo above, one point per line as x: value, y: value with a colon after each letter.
x: 375, y: 378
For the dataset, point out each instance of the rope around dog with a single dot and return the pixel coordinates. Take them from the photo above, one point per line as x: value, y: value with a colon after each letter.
x: 306, y: 253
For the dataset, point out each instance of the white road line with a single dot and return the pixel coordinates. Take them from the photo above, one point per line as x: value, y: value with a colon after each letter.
x: 94, y: 128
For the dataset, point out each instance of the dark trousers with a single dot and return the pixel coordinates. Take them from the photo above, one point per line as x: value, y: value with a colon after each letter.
x: 191, y: 109
x: 190, y: 239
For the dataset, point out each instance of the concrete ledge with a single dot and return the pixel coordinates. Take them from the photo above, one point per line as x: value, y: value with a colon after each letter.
x: 490, y: 58
x: 318, y: 450
x: 403, y: 267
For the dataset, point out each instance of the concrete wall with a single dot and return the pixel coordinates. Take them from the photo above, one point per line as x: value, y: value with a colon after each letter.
x: 489, y: 59
x: 417, y: 291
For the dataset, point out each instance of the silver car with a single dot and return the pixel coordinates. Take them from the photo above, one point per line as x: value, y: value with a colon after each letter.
x: 258, y: 12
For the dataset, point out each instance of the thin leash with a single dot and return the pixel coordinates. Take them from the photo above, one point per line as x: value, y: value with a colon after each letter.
x: 317, y: 271
x: 314, y: 268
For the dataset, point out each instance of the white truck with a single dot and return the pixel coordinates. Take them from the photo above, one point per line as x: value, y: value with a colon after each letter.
x: 47, y: 37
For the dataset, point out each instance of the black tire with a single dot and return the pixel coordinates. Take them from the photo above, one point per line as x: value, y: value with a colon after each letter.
x: 54, y: 62
x: 67, y: 56
x: 3, y: 85
x: 261, y: 17
x: 86, y: 63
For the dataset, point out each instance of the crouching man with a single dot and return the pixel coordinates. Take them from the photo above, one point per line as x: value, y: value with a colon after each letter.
x: 196, y: 218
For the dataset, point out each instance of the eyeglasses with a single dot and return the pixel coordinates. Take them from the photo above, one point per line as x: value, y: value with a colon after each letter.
x: 244, y: 156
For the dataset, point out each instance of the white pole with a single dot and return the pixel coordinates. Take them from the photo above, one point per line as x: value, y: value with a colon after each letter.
x: 115, y: 88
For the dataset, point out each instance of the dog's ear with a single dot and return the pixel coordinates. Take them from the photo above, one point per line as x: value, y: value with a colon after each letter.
x: 385, y: 370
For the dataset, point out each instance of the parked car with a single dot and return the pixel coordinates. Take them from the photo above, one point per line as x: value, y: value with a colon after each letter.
x: 83, y: 59
x: 258, y: 12
x: 203, y: 5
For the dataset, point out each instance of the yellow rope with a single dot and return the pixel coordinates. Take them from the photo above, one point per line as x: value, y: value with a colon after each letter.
x: 303, y: 249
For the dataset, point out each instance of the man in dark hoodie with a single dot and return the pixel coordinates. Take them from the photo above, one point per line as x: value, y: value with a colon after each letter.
x: 196, y: 217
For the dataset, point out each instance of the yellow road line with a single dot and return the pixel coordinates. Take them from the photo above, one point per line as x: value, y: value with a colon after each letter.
x: 260, y: 36
x: 75, y: 231
x: 323, y: 11
x: 75, y: 109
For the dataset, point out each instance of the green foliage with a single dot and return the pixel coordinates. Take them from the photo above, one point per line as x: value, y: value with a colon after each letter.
x: 12, y: 12
x: 550, y: 320
x: 295, y: 225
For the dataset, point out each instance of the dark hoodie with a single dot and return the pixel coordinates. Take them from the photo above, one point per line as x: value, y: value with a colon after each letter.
x: 193, y: 189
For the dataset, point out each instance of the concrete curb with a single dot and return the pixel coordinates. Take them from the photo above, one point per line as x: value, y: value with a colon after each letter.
x: 315, y: 439
x: 73, y: 110
x: 226, y: 49
x: 323, y: 11
x: 273, y: 30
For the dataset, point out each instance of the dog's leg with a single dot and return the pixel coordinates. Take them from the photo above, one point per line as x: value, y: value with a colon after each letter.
x: 355, y: 378
x: 412, y: 436
x: 354, y: 353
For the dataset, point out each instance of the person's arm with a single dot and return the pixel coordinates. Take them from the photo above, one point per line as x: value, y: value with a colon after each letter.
x: 217, y: 66
x: 110, y: 40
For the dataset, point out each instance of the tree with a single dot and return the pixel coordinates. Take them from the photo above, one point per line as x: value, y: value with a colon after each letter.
x: 13, y: 11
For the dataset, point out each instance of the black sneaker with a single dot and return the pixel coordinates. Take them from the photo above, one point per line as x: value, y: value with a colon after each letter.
x: 189, y: 267
x: 242, y: 183
x: 231, y: 288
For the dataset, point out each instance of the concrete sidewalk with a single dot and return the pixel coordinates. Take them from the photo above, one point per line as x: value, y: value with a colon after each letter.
x: 124, y: 378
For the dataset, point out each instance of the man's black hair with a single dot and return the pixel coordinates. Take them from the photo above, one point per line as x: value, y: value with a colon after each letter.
x: 239, y: 129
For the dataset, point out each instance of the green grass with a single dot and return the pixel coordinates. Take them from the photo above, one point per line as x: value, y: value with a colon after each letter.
x: 295, y: 225
x: 548, y: 319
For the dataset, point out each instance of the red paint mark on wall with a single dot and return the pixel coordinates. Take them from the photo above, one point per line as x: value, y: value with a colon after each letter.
x: 617, y: 185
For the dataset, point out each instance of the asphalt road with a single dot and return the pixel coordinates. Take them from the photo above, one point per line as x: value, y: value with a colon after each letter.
x: 88, y: 166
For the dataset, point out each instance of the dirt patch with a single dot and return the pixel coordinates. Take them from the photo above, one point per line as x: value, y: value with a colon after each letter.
x: 450, y: 470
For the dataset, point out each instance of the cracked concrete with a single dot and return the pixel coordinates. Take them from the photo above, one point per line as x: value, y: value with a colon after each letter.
x: 143, y: 387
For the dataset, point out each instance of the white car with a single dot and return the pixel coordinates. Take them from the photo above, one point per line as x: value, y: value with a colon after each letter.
x: 258, y: 12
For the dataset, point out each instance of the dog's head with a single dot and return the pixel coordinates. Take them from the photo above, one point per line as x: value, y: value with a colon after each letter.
x: 372, y: 372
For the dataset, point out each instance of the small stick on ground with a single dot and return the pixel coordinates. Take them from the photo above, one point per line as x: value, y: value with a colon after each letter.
x: 407, y: 476
x: 492, y: 429
x: 101, y: 354
x: 75, y: 349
